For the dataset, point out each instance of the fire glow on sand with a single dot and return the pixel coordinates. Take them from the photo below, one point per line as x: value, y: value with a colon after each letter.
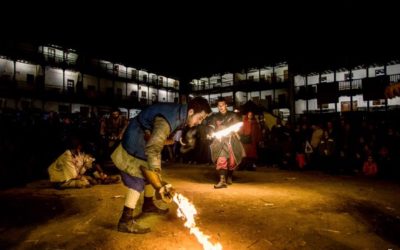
x: 188, y: 211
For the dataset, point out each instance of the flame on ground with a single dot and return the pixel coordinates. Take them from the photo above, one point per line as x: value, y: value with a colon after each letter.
x: 188, y: 211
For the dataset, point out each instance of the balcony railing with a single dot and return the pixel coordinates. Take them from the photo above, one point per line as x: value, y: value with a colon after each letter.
x: 73, y: 94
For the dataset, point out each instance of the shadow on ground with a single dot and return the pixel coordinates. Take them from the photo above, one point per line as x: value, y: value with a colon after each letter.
x: 377, y: 218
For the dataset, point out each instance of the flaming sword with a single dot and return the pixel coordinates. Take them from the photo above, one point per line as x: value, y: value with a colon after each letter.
x: 224, y: 132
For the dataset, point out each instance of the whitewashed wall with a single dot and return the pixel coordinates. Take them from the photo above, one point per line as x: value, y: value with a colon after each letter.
x: 162, y: 95
x: 312, y: 79
x: 279, y: 71
x: 23, y: 69
x: 6, y: 68
x: 132, y: 87
x: 53, y: 78
x: 255, y: 74
x: 300, y: 106
x: 299, y: 80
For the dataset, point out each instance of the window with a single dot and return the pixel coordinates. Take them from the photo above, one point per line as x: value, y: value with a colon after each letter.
x: 30, y: 79
x: 286, y: 75
x: 347, y: 76
x: 345, y: 106
x: 251, y: 78
x: 65, y: 55
x: 144, y: 94
x: 70, y: 85
x: 52, y: 53
x: 344, y: 85
x: 144, y: 78
x: 379, y: 72
x: 255, y: 99
x: 378, y: 102
x: 134, y: 74
x: 161, y: 80
x: 323, y: 79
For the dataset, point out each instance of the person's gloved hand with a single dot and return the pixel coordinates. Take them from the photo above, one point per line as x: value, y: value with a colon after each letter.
x: 166, y: 193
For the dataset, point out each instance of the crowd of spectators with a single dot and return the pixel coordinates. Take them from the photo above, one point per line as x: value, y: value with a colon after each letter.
x: 31, y: 140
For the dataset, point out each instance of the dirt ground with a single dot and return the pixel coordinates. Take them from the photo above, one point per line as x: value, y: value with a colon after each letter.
x: 265, y: 209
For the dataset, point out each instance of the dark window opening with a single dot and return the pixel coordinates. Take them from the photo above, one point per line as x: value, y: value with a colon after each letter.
x: 70, y: 86
x: 30, y: 79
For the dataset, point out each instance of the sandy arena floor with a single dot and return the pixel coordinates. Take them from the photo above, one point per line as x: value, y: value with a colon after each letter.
x: 265, y: 209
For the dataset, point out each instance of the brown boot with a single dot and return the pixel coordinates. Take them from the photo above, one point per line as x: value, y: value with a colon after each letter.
x: 132, y: 226
x: 222, y: 181
x: 127, y: 224
x: 150, y: 207
x: 229, y: 177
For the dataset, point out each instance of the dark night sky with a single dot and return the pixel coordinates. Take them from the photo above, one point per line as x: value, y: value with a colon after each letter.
x: 193, y: 41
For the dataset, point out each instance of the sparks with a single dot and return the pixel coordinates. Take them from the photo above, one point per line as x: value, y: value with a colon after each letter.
x: 187, y: 211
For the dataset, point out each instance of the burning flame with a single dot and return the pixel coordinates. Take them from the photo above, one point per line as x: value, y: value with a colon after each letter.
x: 188, y: 211
x: 227, y: 131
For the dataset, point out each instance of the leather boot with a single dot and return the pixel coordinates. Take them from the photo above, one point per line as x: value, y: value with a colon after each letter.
x: 150, y: 207
x: 127, y: 224
x: 222, y: 181
x: 229, y: 177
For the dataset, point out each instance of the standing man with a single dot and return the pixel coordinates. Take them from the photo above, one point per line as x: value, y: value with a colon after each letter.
x: 111, y: 131
x: 139, y: 155
x: 228, y: 151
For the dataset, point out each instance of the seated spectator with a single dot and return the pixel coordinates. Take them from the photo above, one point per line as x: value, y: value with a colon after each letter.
x: 370, y: 168
x: 70, y: 169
